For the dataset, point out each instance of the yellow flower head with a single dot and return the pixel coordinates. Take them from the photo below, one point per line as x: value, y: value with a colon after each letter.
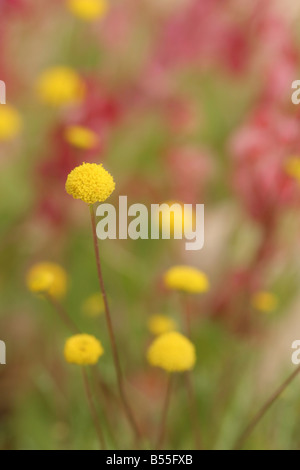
x: 186, y: 279
x: 93, y: 306
x: 176, y: 218
x: 10, y: 122
x: 172, y: 352
x: 265, y: 302
x: 90, y: 182
x: 83, y: 350
x: 59, y: 86
x: 292, y: 167
x: 47, y: 278
x: 159, y: 324
x: 81, y: 137
x: 88, y: 10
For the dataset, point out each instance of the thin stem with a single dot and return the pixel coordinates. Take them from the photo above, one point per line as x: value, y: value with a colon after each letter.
x: 93, y: 409
x: 66, y: 319
x: 186, y: 313
x: 163, y: 422
x: 127, y: 409
x: 257, y: 418
x: 193, y: 409
x: 189, y: 383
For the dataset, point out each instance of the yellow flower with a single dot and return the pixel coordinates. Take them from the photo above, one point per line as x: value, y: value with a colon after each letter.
x: 172, y: 352
x: 58, y: 86
x: 176, y: 218
x: 90, y: 182
x: 47, y: 278
x: 93, y: 306
x: 83, y: 350
x: 159, y: 324
x: 81, y: 137
x: 292, y: 167
x: 88, y: 10
x: 186, y: 279
x: 10, y: 122
x: 265, y: 302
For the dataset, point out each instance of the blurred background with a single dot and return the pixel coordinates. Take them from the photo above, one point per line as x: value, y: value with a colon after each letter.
x: 190, y: 101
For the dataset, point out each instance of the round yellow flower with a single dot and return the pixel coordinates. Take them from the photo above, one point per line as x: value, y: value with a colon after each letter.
x: 47, y: 278
x: 172, y: 352
x: 159, y: 324
x: 10, y: 122
x: 186, y: 279
x: 176, y: 218
x: 81, y: 137
x: 88, y: 10
x: 83, y: 350
x: 292, y: 167
x: 265, y: 302
x: 93, y: 306
x: 58, y: 86
x: 90, y: 182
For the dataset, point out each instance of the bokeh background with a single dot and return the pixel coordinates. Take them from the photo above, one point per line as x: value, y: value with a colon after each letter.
x: 191, y: 101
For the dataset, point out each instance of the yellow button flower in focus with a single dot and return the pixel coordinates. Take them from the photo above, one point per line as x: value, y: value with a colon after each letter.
x: 83, y: 350
x: 88, y: 10
x: 93, y: 306
x: 159, y: 324
x: 58, y: 86
x: 90, y: 182
x: 81, y: 137
x: 186, y: 279
x: 172, y: 352
x: 47, y: 278
x: 10, y: 122
x: 265, y: 302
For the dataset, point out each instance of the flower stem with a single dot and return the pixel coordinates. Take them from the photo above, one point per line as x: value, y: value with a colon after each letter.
x: 66, y: 319
x: 257, y: 418
x: 193, y: 409
x: 93, y: 409
x: 163, y: 422
x: 120, y: 380
x: 189, y: 382
x: 186, y: 314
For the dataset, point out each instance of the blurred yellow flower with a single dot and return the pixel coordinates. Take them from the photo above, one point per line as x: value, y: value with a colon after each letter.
x: 176, y: 218
x: 58, y: 86
x: 10, y: 122
x: 81, y: 137
x: 186, y: 279
x: 292, y: 167
x: 93, y: 306
x: 47, y: 278
x: 83, y: 350
x: 88, y: 10
x: 90, y: 182
x: 265, y: 301
x: 159, y: 324
x: 172, y: 352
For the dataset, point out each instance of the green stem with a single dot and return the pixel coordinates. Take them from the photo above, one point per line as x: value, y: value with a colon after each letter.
x: 265, y: 408
x: 93, y: 409
x: 120, y: 380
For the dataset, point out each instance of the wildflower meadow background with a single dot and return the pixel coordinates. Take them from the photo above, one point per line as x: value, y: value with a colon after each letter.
x: 185, y: 101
